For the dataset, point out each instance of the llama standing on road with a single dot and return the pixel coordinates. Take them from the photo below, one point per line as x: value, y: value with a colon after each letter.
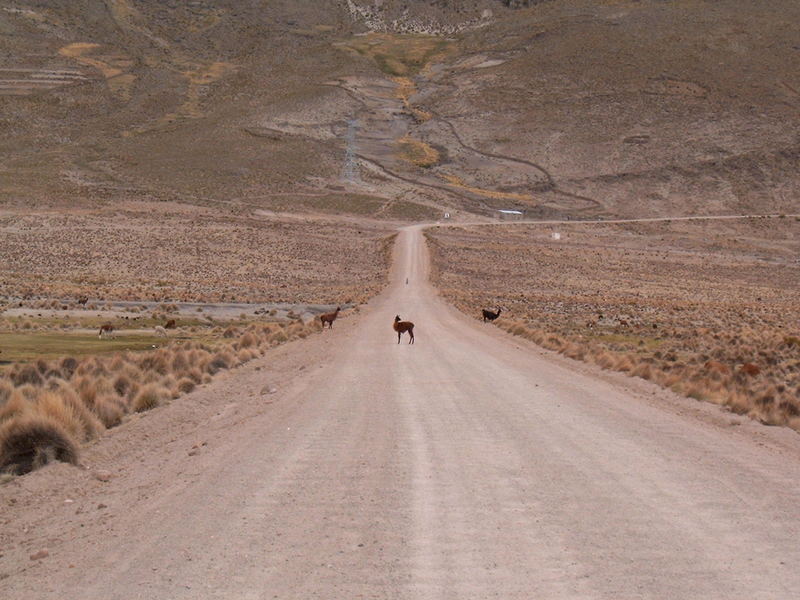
x: 329, y: 318
x: 401, y: 327
x: 489, y: 315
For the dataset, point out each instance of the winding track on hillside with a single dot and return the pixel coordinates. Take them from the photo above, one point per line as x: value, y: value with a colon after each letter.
x: 468, y: 465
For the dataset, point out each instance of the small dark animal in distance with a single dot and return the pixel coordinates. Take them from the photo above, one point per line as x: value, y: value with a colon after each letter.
x: 329, y: 318
x: 83, y: 300
x: 401, y: 327
x: 106, y: 329
x: 171, y: 324
x: 489, y: 315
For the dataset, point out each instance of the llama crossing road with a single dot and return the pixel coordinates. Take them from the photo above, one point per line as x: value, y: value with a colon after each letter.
x: 467, y: 465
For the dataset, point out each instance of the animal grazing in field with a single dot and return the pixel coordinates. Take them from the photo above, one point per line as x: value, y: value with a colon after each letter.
x: 329, y: 318
x: 750, y: 369
x: 160, y: 331
x: 489, y: 315
x: 171, y: 324
x: 83, y: 300
x: 106, y: 329
x: 401, y: 327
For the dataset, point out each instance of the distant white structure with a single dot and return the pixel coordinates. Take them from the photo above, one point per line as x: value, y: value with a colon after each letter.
x: 510, y: 215
x: 555, y: 235
x: 446, y: 215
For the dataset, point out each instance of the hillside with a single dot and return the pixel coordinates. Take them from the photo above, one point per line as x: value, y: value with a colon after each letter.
x: 566, y: 107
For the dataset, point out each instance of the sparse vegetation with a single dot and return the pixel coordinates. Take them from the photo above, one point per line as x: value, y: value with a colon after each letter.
x: 689, y: 306
x: 49, y: 407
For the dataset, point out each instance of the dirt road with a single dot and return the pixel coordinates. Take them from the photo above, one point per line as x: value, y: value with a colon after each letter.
x: 463, y: 466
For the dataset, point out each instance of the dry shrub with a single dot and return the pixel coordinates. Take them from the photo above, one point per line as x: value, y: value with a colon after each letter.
x: 157, y: 361
x: 605, y: 360
x: 31, y: 441
x: 6, y: 390
x: 117, y: 363
x: 186, y: 385
x: 624, y: 363
x: 52, y: 406
x: 244, y: 355
x: 180, y: 363
x: 207, y: 378
x: 91, y: 425
x: 643, y: 370
x: 15, y: 405
x: 247, y: 340
x: 149, y: 397
x: 122, y: 384
x: 278, y: 337
x: 221, y: 360
x: 698, y: 391
x: 110, y: 410
x: 68, y: 366
x: 738, y: 403
x: 26, y: 374
x: 195, y: 375
x: 230, y: 332
x: 29, y: 392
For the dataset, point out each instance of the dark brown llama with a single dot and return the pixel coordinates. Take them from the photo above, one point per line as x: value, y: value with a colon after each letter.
x: 489, y: 315
x: 329, y: 318
x: 401, y: 327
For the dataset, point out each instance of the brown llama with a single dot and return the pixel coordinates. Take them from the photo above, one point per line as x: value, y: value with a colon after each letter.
x: 83, y: 300
x: 171, y: 324
x: 401, y: 327
x: 107, y: 329
x: 489, y: 315
x: 329, y: 318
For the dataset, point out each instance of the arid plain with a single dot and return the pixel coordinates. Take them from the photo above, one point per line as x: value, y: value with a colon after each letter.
x: 209, y: 177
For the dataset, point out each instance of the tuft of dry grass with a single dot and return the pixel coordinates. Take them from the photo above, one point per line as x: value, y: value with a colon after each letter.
x: 186, y: 385
x: 32, y: 441
x: 149, y: 397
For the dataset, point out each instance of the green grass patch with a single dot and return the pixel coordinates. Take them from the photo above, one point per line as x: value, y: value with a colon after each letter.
x: 25, y: 347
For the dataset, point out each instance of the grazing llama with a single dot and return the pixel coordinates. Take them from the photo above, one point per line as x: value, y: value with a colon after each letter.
x: 171, y: 324
x: 401, y: 327
x: 329, y: 318
x: 160, y: 331
x: 83, y: 300
x: 106, y: 329
x: 489, y: 315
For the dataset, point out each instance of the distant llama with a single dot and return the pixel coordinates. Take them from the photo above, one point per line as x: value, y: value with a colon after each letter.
x: 106, y: 330
x: 401, y: 327
x: 160, y: 331
x: 329, y: 318
x: 489, y: 315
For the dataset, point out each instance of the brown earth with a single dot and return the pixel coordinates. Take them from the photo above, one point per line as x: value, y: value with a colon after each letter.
x: 175, y: 252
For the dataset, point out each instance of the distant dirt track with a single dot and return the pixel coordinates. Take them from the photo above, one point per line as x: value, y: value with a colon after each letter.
x: 469, y: 465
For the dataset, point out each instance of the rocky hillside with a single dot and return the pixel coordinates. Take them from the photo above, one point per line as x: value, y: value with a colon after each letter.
x: 563, y: 107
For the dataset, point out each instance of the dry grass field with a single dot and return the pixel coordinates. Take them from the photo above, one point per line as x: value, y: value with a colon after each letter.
x: 50, y: 406
x: 169, y: 252
x: 710, y: 309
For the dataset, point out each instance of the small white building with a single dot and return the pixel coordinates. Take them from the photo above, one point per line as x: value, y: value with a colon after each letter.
x: 510, y: 215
